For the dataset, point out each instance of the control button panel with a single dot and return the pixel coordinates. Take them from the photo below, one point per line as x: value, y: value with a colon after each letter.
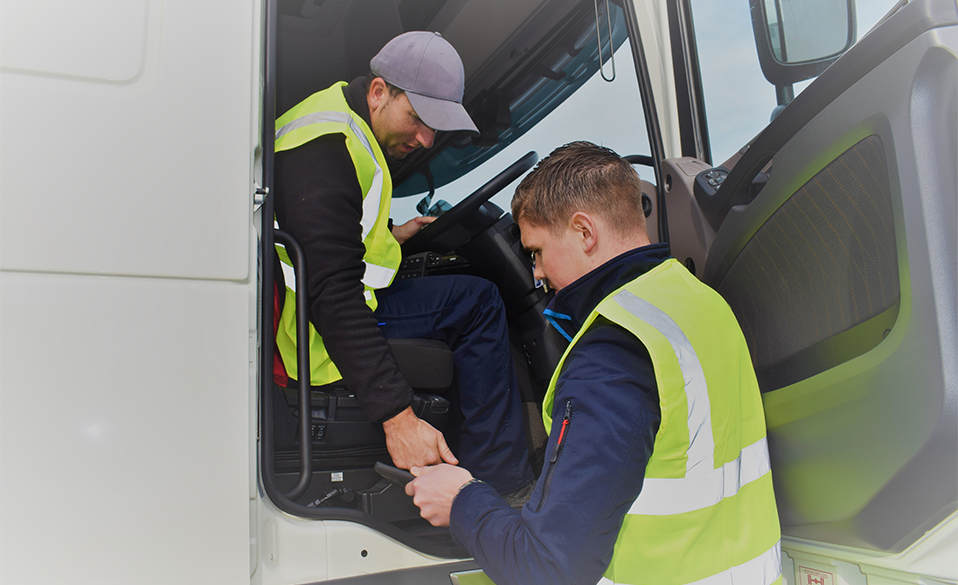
x: 422, y: 264
x: 715, y: 177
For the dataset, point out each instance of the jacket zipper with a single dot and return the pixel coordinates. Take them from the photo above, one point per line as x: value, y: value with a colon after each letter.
x: 563, y: 431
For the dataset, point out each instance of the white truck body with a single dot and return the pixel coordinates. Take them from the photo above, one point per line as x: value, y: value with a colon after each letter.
x: 130, y: 154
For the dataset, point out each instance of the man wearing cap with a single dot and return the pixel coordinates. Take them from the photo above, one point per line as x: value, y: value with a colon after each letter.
x: 333, y: 195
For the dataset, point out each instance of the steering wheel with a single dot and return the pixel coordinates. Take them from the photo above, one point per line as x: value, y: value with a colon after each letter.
x: 459, y: 216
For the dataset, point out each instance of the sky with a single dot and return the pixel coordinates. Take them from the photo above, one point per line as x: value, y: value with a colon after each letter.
x: 738, y: 99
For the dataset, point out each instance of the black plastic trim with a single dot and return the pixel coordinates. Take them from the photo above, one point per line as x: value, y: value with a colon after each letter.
x: 785, y: 74
x: 640, y: 159
x: 693, y: 128
x: 265, y: 256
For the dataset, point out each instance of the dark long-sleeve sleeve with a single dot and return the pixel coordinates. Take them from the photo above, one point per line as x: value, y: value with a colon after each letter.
x: 319, y: 202
x: 567, y: 531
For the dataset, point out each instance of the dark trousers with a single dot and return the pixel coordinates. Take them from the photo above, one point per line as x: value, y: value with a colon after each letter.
x: 486, y: 429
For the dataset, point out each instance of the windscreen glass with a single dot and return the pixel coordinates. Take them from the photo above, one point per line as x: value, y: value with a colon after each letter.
x: 739, y: 101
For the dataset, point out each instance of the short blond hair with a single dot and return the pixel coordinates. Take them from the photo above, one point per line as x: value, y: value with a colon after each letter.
x: 581, y: 176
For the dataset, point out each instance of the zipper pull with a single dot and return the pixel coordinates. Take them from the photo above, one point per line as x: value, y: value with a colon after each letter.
x: 565, y: 425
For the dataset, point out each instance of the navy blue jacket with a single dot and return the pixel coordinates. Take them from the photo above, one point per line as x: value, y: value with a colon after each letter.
x: 607, y: 391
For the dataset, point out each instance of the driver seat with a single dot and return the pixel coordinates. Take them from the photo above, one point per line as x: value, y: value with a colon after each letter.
x: 339, y: 428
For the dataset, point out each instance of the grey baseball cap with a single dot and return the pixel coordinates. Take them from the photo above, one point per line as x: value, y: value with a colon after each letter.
x: 429, y: 70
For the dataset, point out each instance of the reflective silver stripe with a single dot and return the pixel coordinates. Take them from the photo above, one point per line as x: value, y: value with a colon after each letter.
x: 314, y: 118
x: 701, y: 445
x: 762, y: 570
x: 663, y: 497
x: 372, y: 199
x: 368, y: 295
x: 376, y: 276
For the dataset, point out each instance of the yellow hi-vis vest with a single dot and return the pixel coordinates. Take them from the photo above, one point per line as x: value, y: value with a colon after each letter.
x: 322, y: 113
x: 706, y: 513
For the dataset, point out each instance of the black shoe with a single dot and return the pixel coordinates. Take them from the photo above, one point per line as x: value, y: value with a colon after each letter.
x: 520, y: 497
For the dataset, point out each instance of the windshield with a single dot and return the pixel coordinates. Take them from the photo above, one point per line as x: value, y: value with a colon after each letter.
x: 607, y: 113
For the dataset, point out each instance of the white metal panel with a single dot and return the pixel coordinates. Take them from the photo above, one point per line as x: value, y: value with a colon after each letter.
x: 150, y: 176
x: 653, y: 20
x: 124, y: 430
x: 62, y: 39
x: 300, y: 550
x: 346, y: 542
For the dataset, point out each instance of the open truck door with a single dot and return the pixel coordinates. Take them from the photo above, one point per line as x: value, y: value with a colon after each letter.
x: 832, y: 235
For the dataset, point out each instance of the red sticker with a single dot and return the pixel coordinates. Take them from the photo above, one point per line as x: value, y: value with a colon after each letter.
x: 808, y: 576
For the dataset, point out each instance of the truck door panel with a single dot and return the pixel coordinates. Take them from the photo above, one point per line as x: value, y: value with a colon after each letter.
x: 842, y: 274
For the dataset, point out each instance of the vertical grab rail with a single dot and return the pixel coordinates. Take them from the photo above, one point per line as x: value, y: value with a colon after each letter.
x: 298, y: 258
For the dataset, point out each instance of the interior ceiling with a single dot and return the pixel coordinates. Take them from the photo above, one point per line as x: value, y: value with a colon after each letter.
x: 324, y: 41
x: 482, y: 26
x: 510, y: 50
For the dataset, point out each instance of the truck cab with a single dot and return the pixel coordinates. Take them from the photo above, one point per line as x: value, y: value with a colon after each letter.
x: 798, y: 157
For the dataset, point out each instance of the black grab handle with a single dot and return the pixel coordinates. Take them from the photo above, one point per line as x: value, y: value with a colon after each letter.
x: 298, y: 258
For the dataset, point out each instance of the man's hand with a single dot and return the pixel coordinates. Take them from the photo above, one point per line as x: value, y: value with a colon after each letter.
x: 410, y: 228
x: 412, y: 441
x: 434, y: 489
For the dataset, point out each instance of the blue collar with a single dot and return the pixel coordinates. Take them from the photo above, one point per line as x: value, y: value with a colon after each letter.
x: 573, y: 304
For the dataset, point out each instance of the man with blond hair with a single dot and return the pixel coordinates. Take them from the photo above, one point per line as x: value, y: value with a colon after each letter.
x: 657, y: 465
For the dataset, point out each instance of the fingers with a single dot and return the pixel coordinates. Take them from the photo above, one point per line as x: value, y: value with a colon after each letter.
x: 434, y: 489
x: 419, y: 471
x: 423, y: 470
x: 416, y: 443
x: 446, y: 453
x: 439, y: 451
x: 434, y: 457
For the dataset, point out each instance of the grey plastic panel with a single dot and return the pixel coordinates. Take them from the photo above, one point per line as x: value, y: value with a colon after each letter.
x: 866, y: 453
x: 819, y: 271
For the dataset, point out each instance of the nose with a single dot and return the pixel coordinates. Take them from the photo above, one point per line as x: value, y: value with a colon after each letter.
x: 538, y: 273
x: 426, y: 136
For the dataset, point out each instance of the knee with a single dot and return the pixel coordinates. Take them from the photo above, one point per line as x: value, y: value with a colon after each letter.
x: 480, y: 292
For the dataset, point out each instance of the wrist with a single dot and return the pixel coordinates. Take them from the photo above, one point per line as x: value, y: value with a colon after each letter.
x: 405, y: 418
x: 465, y: 485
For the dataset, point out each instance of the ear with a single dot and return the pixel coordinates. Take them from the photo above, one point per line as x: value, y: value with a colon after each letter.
x: 585, y: 228
x: 376, y: 94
